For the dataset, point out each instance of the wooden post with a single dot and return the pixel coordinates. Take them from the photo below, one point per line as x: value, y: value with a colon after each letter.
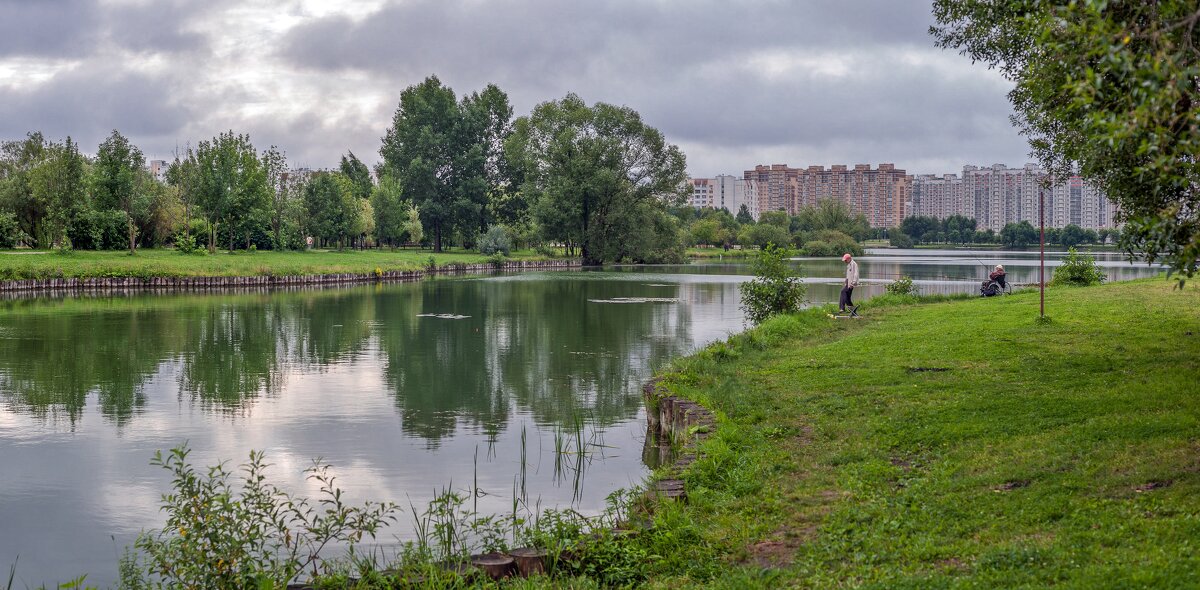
x: 1042, y: 265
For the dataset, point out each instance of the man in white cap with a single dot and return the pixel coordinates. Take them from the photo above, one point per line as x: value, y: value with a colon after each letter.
x: 848, y: 288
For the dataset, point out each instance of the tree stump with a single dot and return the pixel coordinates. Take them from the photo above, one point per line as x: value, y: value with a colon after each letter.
x: 495, y: 565
x: 530, y: 561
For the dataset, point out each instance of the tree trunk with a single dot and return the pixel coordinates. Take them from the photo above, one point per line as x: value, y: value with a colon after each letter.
x: 437, y: 238
x: 132, y: 232
x: 212, y: 237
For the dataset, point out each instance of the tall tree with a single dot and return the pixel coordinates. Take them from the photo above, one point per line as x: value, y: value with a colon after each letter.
x: 279, y: 187
x: 391, y: 213
x: 184, y: 176
x: 117, y: 183
x: 232, y: 186
x: 58, y: 186
x: 743, y: 215
x: 332, y: 207
x: 17, y: 161
x: 1112, y: 87
x: 359, y: 175
x: 599, y: 174
x: 420, y: 150
x: 445, y: 153
x: 488, y: 119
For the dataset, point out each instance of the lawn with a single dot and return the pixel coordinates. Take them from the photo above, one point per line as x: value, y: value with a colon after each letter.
x: 959, y: 444
x: 24, y: 264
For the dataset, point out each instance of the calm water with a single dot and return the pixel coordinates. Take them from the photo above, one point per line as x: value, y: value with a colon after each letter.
x: 405, y: 389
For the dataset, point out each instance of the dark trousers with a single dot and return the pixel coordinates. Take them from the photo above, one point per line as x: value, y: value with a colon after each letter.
x: 844, y: 300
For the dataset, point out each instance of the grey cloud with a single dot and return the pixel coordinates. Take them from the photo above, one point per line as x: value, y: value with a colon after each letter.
x: 88, y: 103
x: 49, y: 28
x: 684, y: 64
x: 158, y: 27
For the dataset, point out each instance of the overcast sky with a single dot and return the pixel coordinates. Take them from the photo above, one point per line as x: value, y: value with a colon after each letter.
x: 733, y: 83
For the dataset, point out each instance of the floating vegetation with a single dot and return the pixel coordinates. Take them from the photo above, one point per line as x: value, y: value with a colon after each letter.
x: 636, y: 300
x: 443, y: 316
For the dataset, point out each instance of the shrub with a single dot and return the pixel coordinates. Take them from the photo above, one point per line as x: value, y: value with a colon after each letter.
x: 831, y: 243
x: 1078, y: 270
x: 900, y: 240
x: 495, y: 240
x: 775, y: 288
x: 902, y: 286
x: 10, y: 231
x: 185, y: 244
x: 217, y: 536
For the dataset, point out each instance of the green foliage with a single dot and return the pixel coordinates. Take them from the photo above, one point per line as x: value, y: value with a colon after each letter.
x: 775, y: 289
x: 358, y: 174
x: 231, y: 187
x: 1078, y: 270
x: 831, y: 243
x: 220, y: 535
x: 119, y: 183
x: 391, y: 212
x: 1019, y: 235
x: 1109, y: 87
x: 440, y: 150
x: 186, y: 244
x: 743, y: 215
x: 9, y: 230
x: 901, y: 286
x: 495, y: 241
x: 598, y: 176
x: 954, y: 229
x: 900, y: 239
x: 58, y: 189
x: 762, y: 234
x: 831, y: 215
x: 332, y: 207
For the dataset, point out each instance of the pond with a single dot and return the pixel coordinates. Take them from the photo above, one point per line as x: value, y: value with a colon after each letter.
x: 405, y: 388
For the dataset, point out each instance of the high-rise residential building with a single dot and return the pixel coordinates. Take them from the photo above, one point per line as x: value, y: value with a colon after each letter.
x: 158, y: 169
x: 998, y: 195
x: 880, y: 194
x: 725, y: 192
x: 776, y: 187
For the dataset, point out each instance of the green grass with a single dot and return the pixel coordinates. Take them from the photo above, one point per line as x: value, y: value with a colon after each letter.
x: 958, y: 444
x: 719, y: 252
x: 168, y: 263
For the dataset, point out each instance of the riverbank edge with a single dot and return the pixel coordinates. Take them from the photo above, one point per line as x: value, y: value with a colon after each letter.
x: 207, y: 282
x: 753, y: 561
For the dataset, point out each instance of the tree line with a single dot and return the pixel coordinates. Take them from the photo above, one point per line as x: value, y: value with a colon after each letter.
x: 958, y: 229
x: 595, y: 179
x: 828, y: 228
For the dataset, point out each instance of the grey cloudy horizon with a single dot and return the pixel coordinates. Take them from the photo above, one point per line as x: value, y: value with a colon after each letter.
x: 734, y: 84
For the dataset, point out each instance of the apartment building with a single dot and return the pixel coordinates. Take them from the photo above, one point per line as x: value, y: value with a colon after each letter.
x: 997, y: 195
x: 725, y: 191
x: 881, y: 194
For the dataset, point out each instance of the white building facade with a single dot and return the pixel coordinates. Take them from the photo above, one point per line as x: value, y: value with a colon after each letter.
x: 725, y: 192
x: 998, y: 195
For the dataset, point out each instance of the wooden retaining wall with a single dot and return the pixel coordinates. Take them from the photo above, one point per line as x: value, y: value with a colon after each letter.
x: 681, y: 425
x: 267, y: 281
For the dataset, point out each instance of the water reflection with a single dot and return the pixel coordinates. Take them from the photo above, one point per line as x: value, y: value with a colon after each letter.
x: 400, y: 400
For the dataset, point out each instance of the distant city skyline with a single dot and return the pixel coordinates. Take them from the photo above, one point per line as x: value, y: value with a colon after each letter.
x: 992, y: 195
x: 731, y: 84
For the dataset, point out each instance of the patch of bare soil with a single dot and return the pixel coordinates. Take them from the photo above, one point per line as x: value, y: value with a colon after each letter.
x: 1152, y: 485
x: 1009, y: 486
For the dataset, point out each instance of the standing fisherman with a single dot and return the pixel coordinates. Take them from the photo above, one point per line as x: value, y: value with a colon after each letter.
x: 851, y: 282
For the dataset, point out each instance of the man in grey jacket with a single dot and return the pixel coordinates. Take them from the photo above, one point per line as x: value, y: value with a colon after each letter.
x: 848, y: 288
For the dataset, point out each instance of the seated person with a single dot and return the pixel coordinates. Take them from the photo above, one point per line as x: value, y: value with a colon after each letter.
x: 998, y: 276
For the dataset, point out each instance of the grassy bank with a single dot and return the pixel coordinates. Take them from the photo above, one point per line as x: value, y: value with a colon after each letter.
x: 168, y: 263
x: 957, y: 444
x: 721, y: 253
